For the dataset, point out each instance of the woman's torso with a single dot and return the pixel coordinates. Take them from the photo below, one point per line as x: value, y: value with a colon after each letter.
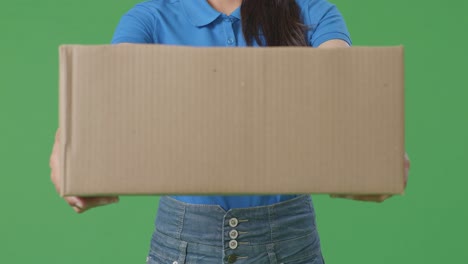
x: 196, y: 23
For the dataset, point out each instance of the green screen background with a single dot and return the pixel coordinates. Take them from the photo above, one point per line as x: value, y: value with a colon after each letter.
x: 429, y: 224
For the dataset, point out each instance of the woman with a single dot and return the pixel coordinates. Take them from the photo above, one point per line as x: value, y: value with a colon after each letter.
x: 228, y: 229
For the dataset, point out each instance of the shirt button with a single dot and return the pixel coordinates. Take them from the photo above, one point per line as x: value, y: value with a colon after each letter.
x: 233, y: 234
x: 233, y: 244
x: 230, y: 41
x: 175, y: 262
x: 233, y: 222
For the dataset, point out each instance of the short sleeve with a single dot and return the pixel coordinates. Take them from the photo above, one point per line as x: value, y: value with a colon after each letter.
x: 136, y: 26
x: 325, y: 22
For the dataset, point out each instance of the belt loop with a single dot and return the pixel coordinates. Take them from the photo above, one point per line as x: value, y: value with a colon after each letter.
x: 182, y: 252
x: 271, y: 215
x: 181, y: 222
x: 271, y: 253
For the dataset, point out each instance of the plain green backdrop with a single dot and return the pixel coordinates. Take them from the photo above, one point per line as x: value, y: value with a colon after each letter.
x: 429, y: 224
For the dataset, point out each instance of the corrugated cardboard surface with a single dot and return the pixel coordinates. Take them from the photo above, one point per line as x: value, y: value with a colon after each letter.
x: 151, y: 119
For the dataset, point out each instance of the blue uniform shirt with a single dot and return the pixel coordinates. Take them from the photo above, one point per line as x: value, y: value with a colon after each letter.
x: 196, y: 23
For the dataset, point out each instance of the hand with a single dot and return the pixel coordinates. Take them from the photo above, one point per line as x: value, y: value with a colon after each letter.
x: 375, y: 198
x: 79, y: 204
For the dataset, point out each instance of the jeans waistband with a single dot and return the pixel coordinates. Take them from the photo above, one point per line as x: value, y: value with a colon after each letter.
x: 212, y: 225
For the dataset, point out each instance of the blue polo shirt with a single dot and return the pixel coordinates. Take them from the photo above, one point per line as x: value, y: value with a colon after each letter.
x: 196, y: 23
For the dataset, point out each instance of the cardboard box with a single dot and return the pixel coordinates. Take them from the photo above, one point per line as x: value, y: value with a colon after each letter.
x: 151, y: 119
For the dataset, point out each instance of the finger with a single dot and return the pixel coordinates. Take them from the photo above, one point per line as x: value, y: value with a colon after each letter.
x: 91, y: 202
x: 364, y: 198
x: 54, y: 179
x: 56, y: 142
x: 77, y: 203
x: 78, y: 210
x: 345, y: 196
x: 407, y: 164
x: 54, y: 166
x: 54, y: 172
x: 406, y: 176
x: 53, y: 161
x: 54, y: 157
x: 372, y: 198
x: 57, y: 135
x: 407, y: 167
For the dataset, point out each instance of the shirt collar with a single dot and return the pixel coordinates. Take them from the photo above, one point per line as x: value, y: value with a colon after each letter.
x: 236, y: 13
x: 200, y: 13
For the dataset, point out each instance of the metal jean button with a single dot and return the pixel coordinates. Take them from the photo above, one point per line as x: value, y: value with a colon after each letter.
x: 233, y: 222
x: 233, y: 234
x: 232, y: 258
x: 233, y: 244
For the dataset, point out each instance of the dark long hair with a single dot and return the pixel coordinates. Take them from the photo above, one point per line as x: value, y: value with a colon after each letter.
x: 279, y: 21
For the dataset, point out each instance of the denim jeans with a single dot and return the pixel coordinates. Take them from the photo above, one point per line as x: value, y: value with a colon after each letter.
x: 202, y: 234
